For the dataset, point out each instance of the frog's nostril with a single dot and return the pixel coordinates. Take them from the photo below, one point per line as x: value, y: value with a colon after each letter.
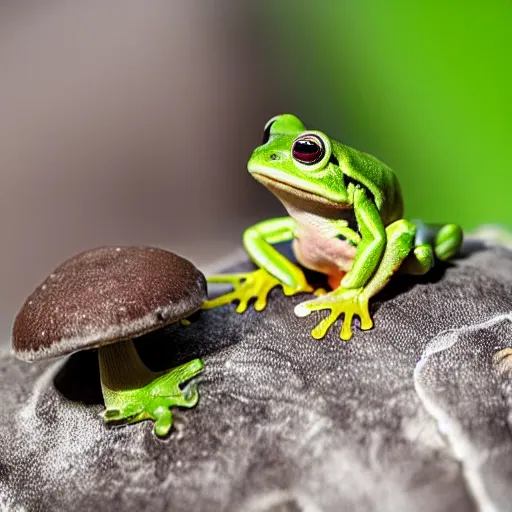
x: 273, y: 156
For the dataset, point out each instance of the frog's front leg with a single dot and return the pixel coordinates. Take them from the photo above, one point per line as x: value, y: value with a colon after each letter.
x: 352, y: 302
x: 275, y: 269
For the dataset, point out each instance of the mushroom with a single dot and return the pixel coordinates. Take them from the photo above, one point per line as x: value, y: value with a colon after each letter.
x: 103, y: 298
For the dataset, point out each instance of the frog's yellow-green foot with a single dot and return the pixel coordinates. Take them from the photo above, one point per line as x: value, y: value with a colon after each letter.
x: 251, y: 285
x: 340, y: 302
x: 274, y: 268
x: 352, y: 302
x: 154, y: 399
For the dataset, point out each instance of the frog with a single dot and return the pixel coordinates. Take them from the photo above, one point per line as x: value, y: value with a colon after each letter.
x: 345, y: 221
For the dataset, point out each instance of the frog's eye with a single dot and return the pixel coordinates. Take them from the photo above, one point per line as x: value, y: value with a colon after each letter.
x: 308, y: 149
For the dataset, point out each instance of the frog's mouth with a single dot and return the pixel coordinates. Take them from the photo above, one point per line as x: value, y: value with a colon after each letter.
x: 301, y: 199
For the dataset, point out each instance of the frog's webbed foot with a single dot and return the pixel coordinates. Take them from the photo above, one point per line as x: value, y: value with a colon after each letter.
x: 161, y: 413
x: 168, y: 384
x: 343, y: 301
x: 248, y: 286
x: 155, y: 400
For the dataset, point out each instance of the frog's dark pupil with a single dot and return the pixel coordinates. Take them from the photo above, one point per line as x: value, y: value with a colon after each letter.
x: 306, y: 146
x: 307, y: 151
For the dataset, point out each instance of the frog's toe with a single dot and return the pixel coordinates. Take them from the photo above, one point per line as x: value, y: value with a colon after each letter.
x: 365, y: 318
x: 350, y: 311
x: 303, y: 287
x: 261, y: 303
x: 243, y: 304
x: 326, y: 323
x: 234, y: 279
x: 190, y: 395
x: 321, y: 329
x: 111, y: 414
x: 160, y: 407
x: 307, y: 307
x: 246, y: 287
x: 302, y: 309
x: 163, y: 420
x: 124, y: 414
x: 222, y: 300
x: 346, y: 303
x: 425, y: 256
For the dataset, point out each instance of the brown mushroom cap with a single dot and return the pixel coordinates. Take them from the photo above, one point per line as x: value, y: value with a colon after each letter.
x: 106, y: 295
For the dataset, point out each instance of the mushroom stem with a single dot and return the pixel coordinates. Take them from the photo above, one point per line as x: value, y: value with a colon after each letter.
x: 121, y: 368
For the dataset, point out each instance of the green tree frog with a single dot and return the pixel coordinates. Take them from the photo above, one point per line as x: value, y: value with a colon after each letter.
x: 345, y: 219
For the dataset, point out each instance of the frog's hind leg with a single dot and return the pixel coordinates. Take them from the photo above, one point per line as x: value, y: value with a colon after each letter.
x: 445, y: 239
x: 399, y: 251
x: 441, y: 242
x: 448, y: 241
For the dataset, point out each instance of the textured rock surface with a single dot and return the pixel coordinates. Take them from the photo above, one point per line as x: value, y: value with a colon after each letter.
x: 413, y: 415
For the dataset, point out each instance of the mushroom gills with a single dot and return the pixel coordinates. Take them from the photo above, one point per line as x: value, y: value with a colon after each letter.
x: 132, y: 392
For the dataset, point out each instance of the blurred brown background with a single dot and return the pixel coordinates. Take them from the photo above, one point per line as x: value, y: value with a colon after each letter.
x: 124, y: 123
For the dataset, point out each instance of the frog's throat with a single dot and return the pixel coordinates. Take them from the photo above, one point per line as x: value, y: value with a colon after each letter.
x: 303, y: 200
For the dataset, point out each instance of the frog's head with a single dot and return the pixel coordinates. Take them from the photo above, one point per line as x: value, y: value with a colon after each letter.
x: 309, y: 171
x: 297, y: 164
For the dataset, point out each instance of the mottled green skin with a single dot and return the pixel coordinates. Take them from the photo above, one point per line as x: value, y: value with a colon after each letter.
x: 346, y: 221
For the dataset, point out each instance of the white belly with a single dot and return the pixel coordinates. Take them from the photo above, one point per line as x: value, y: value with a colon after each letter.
x: 321, y: 253
x: 316, y: 246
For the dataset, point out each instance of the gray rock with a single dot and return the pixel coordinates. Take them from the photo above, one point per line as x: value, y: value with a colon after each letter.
x: 414, y: 415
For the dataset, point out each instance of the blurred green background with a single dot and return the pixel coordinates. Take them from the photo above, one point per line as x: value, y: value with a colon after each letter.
x: 424, y: 86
